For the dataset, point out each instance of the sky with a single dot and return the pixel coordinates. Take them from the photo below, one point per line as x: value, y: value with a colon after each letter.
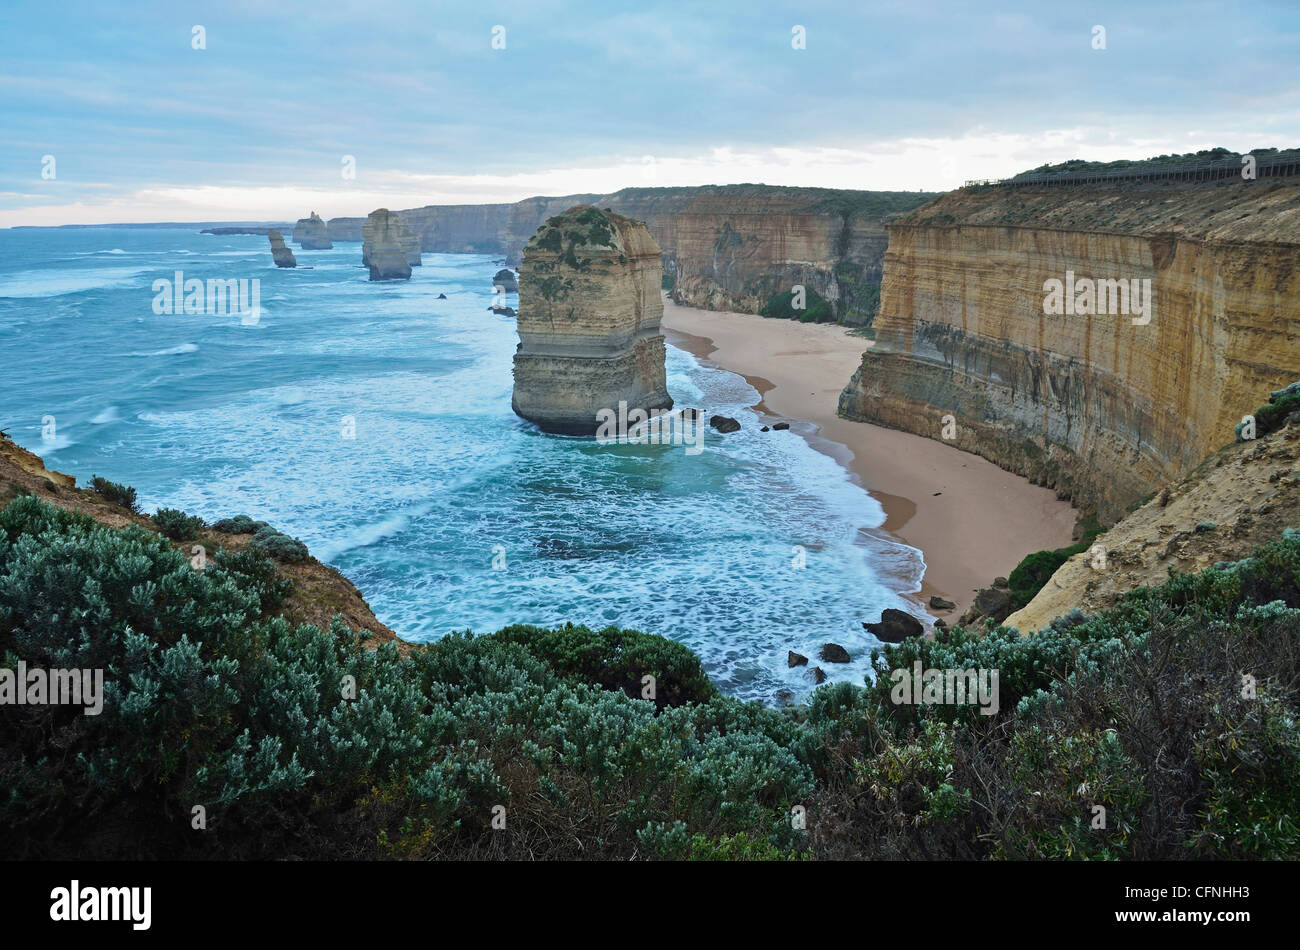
x: 118, y: 113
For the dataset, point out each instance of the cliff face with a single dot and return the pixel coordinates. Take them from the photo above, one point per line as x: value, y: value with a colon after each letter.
x: 395, y: 231
x: 282, y: 256
x: 1239, y: 498
x: 312, y: 234
x: 727, y: 247
x: 589, y: 314
x: 386, y: 247
x: 1100, y: 408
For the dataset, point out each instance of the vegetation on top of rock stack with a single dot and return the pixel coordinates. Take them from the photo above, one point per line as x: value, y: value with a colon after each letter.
x: 1270, y: 417
x: 301, y: 742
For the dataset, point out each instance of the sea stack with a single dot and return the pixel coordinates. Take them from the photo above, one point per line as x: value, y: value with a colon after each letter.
x: 589, y: 313
x: 504, y: 282
x: 282, y: 255
x: 382, y: 249
x: 404, y: 238
x: 312, y: 234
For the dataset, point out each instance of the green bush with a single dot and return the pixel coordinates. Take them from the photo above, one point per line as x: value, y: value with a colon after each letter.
x: 176, y: 524
x: 278, y: 545
x: 123, y: 495
x: 240, y: 524
x: 817, y: 308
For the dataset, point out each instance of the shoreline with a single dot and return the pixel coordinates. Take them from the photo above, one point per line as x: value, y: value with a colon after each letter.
x: 978, y: 521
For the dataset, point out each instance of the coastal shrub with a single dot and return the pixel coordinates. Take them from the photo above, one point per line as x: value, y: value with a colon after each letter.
x: 1269, y: 417
x: 817, y: 308
x: 1175, y: 710
x: 278, y: 545
x: 123, y: 495
x: 176, y: 524
x: 617, y: 659
x: 240, y: 524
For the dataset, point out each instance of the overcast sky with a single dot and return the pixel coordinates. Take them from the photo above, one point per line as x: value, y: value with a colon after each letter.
x: 598, y: 96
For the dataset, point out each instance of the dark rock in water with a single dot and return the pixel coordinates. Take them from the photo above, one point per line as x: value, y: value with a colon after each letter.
x: 689, y: 413
x: 895, y: 626
x: 765, y: 429
x: 1000, y: 583
x: 834, y: 653
x: 312, y: 234
x: 724, y: 423
x: 786, y: 697
x: 503, y: 311
x: 442, y: 296
x: 817, y: 674
x: 938, y: 603
x: 505, y: 282
x: 282, y: 256
x: 777, y: 427
x: 796, y: 659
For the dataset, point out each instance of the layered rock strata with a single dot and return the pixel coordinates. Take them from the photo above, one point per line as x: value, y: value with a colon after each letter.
x: 282, y: 256
x: 1105, y: 407
x: 383, y: 251
x: 396, y: 230
x: 312, y: 234
x: 588, y: 321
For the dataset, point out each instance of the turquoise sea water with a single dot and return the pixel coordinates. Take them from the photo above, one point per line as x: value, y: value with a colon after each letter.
x: 221, y: 416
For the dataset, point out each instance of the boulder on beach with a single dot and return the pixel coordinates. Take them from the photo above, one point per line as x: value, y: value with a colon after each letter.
x: 282, y: 256
x: 938, y: 603
x: 724, y: 423
x: 778, y: 426
x: 895, y: 626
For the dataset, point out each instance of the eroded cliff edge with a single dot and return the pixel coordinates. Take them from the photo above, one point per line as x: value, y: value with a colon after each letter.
x: 1099, y: 408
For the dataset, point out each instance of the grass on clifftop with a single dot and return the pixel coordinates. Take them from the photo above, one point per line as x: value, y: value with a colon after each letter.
x: 1175, y: 711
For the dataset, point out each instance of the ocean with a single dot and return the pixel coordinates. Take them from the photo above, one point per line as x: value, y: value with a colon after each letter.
x: 373, y: 421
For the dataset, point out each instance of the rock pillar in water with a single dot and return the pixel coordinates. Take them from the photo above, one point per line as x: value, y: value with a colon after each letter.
x: 382, y: 249
x: 312, y: 234
x: 282, y: 255
x: 403, y: 236
x: 589, y: 314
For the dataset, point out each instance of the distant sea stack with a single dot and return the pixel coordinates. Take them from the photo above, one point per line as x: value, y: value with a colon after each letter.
x: 382, y: 250
x: 403, y: 236
x: 589, y: 313
x: 504, y: 282
x: 312, y: 234
x: 282, y: 255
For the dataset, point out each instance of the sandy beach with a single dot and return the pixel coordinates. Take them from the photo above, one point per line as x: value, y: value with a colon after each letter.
x: 972, y: 520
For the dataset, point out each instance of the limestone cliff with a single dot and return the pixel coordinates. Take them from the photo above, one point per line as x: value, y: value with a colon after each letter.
x: 312, y: 234
x: 282, y: 256
x: 385, y: 250
x: 725, y: 247
x: 1103, y: 407
x: 589, y: 314
x: 1241, y: 497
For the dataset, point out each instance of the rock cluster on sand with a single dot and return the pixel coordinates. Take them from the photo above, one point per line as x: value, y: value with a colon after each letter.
x: 895, y: 626
x: 312, y: 234
x: 282, y: 255
x: 382, y: 250
x: 387, y: 228
x: 589, y: 313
